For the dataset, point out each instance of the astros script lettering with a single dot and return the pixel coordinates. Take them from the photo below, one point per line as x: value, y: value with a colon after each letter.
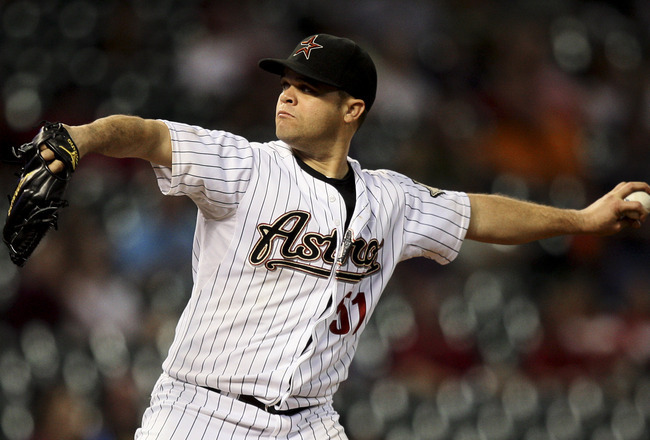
x: 298, y: 253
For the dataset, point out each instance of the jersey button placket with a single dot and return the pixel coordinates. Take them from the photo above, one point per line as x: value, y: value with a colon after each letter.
x: 333, y: 199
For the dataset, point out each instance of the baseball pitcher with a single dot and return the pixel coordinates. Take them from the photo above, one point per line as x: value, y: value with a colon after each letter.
x: 294, y: 244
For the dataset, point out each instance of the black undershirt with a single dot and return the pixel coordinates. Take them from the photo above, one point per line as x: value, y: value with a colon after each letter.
x: 344, y: 186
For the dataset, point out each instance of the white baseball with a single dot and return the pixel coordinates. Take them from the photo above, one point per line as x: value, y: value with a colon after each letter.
x: 640, y: 196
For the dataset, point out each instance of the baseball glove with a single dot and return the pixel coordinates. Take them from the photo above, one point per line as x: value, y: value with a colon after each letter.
x: 35, y: 203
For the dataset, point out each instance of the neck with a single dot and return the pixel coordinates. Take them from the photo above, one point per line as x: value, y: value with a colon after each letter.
x: 332, y: 166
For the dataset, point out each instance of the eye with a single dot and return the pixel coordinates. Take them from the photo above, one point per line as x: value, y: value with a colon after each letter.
x: 302, y: 87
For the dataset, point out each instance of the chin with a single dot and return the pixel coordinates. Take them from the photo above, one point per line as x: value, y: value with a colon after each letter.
x: 284, y: 137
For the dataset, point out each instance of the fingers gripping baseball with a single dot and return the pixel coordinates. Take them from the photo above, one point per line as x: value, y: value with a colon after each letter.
x: 635, y: 204
x: 612, y: 212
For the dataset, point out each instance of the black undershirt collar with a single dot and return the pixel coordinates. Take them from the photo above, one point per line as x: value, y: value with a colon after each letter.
x: 344, y: 186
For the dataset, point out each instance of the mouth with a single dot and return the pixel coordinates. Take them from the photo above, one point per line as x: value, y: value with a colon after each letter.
x: 282, y: 114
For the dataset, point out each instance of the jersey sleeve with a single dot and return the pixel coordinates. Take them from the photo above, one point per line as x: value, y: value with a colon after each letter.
x: 435, y: 222
x: 211, y: 167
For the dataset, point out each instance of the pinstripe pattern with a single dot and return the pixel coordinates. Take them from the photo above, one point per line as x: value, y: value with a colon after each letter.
x: 271, y: 313
x: 181, y: 411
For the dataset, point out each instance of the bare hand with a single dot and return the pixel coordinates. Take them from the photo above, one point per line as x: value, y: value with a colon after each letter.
x: 610, y: 214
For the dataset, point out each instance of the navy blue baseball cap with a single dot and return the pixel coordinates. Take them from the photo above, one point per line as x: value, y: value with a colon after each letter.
x: 336, y: 61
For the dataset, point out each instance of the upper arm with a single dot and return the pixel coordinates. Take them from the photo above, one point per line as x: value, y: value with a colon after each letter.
x: 435, y: 221
x: 213, y: 167
x: 160, y: 151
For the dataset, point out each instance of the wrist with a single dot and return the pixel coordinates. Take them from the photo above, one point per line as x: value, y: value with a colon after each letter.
x: 578, y: 222
x: 77, y: 135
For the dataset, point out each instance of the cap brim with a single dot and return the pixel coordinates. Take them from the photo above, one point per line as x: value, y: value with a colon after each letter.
x: 278, y: 67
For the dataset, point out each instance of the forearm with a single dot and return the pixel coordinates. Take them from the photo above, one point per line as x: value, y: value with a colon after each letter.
x: 503, y: 220
x: 124, y: 136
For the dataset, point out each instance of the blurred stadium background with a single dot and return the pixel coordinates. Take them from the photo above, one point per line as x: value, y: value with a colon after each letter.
x: 543, y: 99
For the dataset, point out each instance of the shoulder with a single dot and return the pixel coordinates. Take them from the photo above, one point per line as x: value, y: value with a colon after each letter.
x: 395, y: 184
x: 182, y: 133
x: 278, y: 148
x: 381, y: 178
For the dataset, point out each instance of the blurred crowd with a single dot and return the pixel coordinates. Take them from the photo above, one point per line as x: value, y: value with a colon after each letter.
x: 547, y: 100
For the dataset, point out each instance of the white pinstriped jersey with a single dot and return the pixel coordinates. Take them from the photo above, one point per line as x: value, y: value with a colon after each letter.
x: 281, y: 292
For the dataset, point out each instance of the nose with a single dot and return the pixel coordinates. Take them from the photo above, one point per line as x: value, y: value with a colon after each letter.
x: 287, y: 96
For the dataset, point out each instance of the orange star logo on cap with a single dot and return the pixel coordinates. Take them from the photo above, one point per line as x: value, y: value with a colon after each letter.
x: 310, y: 44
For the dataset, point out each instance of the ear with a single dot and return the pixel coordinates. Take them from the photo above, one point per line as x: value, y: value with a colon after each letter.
x: 354, y: 110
